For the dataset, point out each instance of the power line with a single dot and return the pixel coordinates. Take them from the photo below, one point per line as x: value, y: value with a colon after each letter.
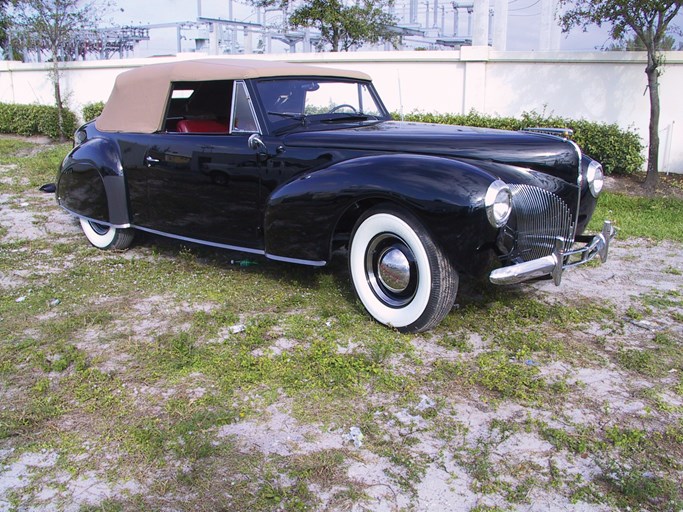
x: 527, y: 7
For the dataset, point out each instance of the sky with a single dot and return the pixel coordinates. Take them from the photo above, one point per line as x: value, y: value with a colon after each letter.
x: 523, y: 22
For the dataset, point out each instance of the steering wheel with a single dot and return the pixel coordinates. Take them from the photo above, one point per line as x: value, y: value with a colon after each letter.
x: 343, y: 105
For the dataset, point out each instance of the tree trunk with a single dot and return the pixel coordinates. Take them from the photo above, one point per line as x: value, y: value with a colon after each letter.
x: 335, y: 39
x: 58, y: 95
x: 652, y: 177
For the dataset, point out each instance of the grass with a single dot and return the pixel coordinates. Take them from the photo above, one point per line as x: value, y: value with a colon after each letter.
x: 657, y: 218
x: 127, y: 366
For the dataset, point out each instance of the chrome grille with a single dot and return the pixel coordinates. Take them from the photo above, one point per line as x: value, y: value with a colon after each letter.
x: 540, y: 217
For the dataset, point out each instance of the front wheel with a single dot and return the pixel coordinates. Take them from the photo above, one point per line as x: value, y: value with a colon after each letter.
x: 106, y: 237
x: 400, y: 275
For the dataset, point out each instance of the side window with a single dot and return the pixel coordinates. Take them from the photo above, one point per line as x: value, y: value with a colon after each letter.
x: 243, y: 119
x: 199, y: 107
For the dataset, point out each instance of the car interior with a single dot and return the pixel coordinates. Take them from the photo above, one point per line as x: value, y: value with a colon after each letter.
x: 200, y: 107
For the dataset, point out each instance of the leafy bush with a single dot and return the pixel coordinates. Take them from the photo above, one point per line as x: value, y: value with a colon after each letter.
x: 92, y: 110
x: 34, y: 120
x: 619, y: 151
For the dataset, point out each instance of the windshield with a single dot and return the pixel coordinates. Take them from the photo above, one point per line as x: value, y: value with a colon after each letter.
x: 303, y: 100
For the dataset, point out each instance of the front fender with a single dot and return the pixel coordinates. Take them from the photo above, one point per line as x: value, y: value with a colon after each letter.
x: 90, y: 183
x: 445, y: 194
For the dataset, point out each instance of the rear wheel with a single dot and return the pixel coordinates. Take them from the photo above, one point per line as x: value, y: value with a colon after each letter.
x: 400, y: 275
x: 106, y: 237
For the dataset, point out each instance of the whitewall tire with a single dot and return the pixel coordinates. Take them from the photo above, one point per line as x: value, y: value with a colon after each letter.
x: 401, y: 276
x: 106, y: 237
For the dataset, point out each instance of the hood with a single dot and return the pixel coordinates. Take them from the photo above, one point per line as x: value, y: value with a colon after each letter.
x: 538, y: 152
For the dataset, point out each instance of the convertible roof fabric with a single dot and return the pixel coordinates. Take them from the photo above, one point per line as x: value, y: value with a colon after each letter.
x: 138, y: 101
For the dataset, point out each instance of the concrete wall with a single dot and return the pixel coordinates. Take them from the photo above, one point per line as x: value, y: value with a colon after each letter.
x: 599, y: 86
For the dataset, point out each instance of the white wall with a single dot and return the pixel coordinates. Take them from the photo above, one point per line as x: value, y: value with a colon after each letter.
x: 599, y: 86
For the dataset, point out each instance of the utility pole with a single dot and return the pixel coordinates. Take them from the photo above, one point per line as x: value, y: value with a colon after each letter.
x: 480, y: 36
x: 232, y: 33
x: 500, y: 25
x: 455, y: 18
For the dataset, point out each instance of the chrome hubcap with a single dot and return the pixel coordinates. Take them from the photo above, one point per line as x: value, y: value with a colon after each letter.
x: 100, y: 229
x: 391, y: 270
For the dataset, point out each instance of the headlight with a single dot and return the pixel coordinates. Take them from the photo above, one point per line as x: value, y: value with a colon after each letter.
x: 498, y: 202
x: 595, y: 178
x: 79, y: 137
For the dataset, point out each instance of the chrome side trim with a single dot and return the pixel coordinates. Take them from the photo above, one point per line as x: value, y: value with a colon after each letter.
x: 237, y: 248
x: 556, y: 263
x: 579, y: 180
x: 203, y: 242
x: 564, y: 134
x: 311, y: 263
x: 118, y: 226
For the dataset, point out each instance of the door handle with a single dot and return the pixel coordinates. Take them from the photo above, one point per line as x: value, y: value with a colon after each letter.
x: 151, y: 161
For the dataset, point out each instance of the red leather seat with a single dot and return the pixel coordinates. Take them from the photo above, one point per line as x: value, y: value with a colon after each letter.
x: 201, y: 126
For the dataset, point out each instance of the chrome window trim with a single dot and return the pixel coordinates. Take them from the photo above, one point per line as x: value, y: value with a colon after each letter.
x: 242, y: 83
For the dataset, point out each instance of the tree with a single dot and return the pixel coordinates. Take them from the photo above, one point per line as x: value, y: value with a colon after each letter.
x: 341, y: 26
x: 5, y: 23
x: 635, y: 45
x: 345, y: 26
x: 51, y: 26
x: 649, y: 21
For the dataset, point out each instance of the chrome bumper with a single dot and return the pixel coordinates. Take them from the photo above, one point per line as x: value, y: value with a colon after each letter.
x: 555, y: 263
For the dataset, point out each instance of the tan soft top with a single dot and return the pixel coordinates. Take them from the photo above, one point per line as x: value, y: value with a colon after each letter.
x: 138, y: 101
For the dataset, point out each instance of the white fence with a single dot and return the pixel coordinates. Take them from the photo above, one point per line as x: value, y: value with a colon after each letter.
x: 598, y: 86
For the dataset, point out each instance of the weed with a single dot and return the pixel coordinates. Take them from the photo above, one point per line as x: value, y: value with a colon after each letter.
x: 633, y: 313
x: 459, y: 341
x: 662, y: 299
x: 629, y: 440
x: 642, y: 361
x: 325, y: 468
x: 511, y: 378
x: 582, y: 440
x: 640, y: 488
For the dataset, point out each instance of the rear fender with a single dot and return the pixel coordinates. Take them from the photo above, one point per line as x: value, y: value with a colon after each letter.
x: 91, y: 184
x: 445, y: 194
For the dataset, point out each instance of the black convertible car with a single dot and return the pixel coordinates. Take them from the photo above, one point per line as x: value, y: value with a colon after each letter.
x: 293, y: 162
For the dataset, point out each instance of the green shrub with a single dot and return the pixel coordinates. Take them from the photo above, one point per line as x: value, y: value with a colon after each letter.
x: 92, y: 110
x: 34, y: 120
x: 619, y: 151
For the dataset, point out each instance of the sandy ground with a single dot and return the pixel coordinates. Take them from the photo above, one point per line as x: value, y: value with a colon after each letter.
x: 635, y: 268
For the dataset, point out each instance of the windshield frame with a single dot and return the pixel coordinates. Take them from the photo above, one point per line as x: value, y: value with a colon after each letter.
x: 282, y: 122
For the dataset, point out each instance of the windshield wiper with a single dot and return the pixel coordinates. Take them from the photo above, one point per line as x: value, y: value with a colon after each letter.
x: 348, y: 117
x: 301, y: 118
x: 289, y: 115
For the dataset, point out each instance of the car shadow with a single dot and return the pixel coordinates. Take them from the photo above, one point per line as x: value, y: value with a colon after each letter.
x: 474, y: 292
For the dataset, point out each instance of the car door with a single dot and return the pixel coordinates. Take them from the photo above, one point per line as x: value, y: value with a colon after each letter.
x: 202, y: 186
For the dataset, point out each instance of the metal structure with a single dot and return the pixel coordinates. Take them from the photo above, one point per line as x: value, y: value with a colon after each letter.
x: 101, y: 44
x: 422, y: 24
x: 107, y: 42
